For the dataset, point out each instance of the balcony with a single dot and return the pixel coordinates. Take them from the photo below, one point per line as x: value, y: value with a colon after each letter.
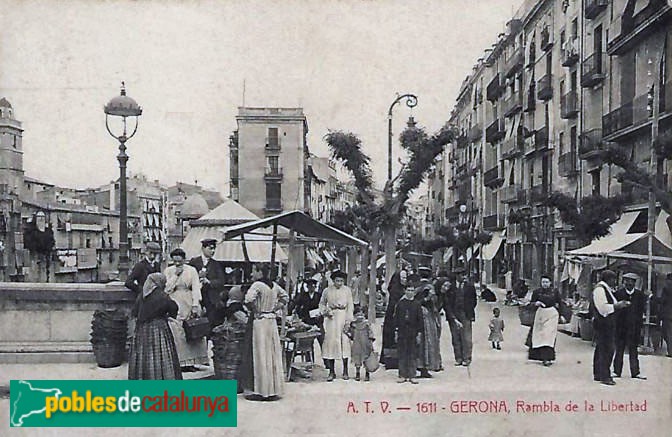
x: 592, y: 70
x: 628, y: 30
x: 545, y: 88
x: 494, y: 88
x: 541, y: 139
x: 513, y: 105
x: 273, y: 173
x: 475, y: 133
x: 593, y: 8
x: 513, y: 146
x: 273, y: 205
x: 591, y: 144
x: 530, y: 98
x: 546, y: 39
x: 272, y: 144
x: 617, y: 119
x: 493, y: 222
x: 515, y: 62
x: 510, y: 193
x: 495, y: 131
x: 492, y: 178
x: 570, y: 52
x: 538, y: 193
x: 569, y: 105
x: 567, y: 164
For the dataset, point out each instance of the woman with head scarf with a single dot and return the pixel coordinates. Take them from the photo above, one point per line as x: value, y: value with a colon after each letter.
x: 228, y: 337
x: 184, y: 287
x: 153, y: 354
x: 337, y: 308
x: 545, y: 328
x: 262, y: 371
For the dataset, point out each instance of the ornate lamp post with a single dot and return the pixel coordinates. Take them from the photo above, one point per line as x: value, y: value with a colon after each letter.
x: 411, y: 102
x: 124, y: 107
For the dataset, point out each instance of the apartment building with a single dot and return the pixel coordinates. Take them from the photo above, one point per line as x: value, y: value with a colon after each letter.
x: 566, y: 78
x: 269, y: 160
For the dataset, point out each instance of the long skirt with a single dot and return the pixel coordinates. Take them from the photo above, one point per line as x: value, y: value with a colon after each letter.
x: 429, y: 355
x: 389, y: 354
x: 267, y: 368
x: 336, y: 344
x: 189, y: 352
x: 543, y: 335
x: 153, y: 354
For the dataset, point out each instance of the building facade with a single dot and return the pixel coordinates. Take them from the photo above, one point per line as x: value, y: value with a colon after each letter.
x: 269, y: 160
x: 564, y: 80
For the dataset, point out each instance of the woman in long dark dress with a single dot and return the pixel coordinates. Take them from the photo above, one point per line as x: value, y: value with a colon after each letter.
x: 389, y: 355
x: 153, y: 354
x: 545, y: 328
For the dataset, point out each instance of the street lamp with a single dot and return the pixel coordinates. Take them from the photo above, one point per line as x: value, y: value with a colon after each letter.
x: 411, y: 102
x: 124, y: 107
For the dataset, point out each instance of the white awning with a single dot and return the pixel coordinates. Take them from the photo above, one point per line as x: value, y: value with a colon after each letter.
x: 472, y: 251
x: 381, y: 261
x: 616, y: 240
x: 85, y: 227
x: 491, y: 249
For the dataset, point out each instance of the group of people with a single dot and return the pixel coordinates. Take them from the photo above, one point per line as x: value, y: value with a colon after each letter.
x: 160, y: 348
x: 412, y: 325
x: 411, y: 330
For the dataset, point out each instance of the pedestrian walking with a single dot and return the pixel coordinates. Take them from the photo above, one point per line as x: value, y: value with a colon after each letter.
x: 629, y: 325
x: 337, y: 308
x: 496, y: 330
x: 460, y: 308
x: 153, y: 354
x: 408, y: 321
x: 359, y: 331
x: 603, y: 306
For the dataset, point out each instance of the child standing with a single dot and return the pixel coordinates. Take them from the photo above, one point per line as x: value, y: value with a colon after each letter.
x: 359, y: 331
x: 496, y: 330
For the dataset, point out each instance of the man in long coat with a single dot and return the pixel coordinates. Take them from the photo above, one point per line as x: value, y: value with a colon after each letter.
x: 409, y: 323
x: 212, y: 279
x: 629, y: 325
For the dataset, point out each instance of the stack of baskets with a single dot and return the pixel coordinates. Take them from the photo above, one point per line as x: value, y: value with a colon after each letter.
x: 227, y: 349
x: 108, y: 336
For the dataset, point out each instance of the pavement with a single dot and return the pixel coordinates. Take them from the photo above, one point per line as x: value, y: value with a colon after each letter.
x: 501, y: 393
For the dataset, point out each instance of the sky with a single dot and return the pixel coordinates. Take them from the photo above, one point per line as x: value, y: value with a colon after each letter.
x: 186, y: 63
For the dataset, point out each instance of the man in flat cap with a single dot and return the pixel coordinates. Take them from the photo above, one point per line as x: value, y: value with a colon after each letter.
x: 150, y: 263
x: 460, y: 309
x: 629, y: 325
x: 212, y: 278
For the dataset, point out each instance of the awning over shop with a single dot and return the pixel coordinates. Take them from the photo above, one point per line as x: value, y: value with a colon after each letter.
x: 621, y: 244
x: 472, y: 251
x: 490, y: 250
x: 299, y: 222
x: 447, y: 255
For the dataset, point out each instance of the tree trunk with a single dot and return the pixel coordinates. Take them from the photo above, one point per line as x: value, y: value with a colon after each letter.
x: 390, y: 236
x: 372, y: 276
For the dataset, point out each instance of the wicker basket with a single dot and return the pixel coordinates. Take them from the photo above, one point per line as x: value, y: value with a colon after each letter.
x: 526, y: 314
x: 109, y: 354
x: 227, y: 349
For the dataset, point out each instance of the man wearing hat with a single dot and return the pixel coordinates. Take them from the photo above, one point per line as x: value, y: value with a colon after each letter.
x: 150, y: 263
x: 212, y: 279
x: 459, y: 306
x: 629, y: 325
x: 306, y: 307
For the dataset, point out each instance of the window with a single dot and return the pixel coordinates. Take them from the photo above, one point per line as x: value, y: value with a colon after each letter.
x: 595, y: 182
x: 273, y: 162
x: 573, y: 138
x: 561, y: 143
x: 273, y: 137
x: 88, y: 243
x: 575, y: 28
x: 273, y: 195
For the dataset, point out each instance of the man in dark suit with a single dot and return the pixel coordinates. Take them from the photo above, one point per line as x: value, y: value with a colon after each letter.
x: 212, y: 280
x: 629, y: 325
x: 460, y: 306
x: 150, y: 263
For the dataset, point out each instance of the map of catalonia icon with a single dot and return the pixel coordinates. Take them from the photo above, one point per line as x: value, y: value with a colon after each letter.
x: 29, y: 401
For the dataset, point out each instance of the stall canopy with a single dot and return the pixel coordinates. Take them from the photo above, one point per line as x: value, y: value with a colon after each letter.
x: 215, y: 223
x: 299, y: 222
x: 622, y: 243
x: 447, y: 255
x: 381, y: 261
x: 490, y: 250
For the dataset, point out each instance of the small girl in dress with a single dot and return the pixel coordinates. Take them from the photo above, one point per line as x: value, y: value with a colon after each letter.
x: 496, y: 330
x: 359, y: 331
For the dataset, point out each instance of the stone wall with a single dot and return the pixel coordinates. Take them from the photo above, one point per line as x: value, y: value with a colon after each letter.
x: 51, y: 323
